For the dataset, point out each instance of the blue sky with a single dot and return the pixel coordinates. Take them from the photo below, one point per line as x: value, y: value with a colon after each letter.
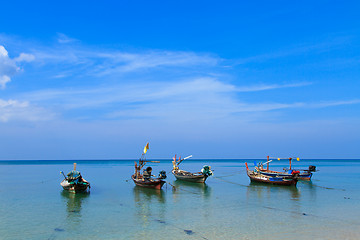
x: 215, y: 79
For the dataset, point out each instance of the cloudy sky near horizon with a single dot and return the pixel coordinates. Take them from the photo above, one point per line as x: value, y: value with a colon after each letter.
x: 89, y: 80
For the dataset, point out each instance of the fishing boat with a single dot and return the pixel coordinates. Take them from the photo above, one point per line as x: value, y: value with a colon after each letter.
x: 146, y: 179
x: 304, y: 174
x: 257, y: 176
x: 197, y: 177
x: 74, y: 182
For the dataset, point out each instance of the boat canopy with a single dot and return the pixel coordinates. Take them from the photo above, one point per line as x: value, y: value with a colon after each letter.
x: 73, y: 175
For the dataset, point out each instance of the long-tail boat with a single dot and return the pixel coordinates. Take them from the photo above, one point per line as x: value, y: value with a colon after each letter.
x: 146, y: 179
x: 256, y: 176
x: 305, y: 174
x: 74, y: 182
x: 197, y: 177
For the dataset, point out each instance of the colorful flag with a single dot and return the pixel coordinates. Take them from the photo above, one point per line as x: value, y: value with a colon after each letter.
x: 146, y: 148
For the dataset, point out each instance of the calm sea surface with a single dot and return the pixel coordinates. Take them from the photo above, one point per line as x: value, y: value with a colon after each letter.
x: 34, y: 206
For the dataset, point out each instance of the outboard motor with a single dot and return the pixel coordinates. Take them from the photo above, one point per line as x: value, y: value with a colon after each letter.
x: 312, y: 168
x: 162, y: 174
x: 206, y: 170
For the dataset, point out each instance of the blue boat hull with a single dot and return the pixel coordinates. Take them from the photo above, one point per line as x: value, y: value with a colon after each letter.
x: 302, y: 176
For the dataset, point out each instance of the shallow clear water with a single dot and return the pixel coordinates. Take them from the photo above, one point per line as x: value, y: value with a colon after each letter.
x: 34, y: 206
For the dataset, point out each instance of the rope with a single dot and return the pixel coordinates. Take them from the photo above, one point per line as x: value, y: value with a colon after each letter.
x: 242, y: 185
x: 49, y: 180
x: 230, y: 175
x: 173, y: 187
x: 328, y: 188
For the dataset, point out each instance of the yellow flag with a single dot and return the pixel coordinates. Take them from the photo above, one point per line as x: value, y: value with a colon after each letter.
x: 298, y: 159
x: 146, y: 148
x: 279, y: 159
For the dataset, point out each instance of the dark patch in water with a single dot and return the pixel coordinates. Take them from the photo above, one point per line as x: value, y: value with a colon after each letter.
x: 59, y: 230
x: 304, y: 214
x: 160, y: 221
x: 75, y: 211
x: 189, y: 232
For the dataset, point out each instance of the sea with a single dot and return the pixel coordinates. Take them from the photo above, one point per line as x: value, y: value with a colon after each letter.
x: 33, y: 205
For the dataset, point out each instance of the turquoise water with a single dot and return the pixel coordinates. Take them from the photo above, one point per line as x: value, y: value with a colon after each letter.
x: 34, y: 206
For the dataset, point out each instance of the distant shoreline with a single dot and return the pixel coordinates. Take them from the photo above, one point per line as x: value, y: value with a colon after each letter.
x: 97, y: 161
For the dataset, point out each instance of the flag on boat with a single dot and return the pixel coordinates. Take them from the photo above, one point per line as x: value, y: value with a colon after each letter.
x: 146, y: 148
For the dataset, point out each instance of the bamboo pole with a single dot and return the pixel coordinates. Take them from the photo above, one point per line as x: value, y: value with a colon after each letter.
x: 290, y: 162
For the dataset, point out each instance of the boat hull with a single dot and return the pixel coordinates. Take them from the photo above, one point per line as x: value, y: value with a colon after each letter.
x: 189, y: 177
x: 284, y: 181
x: 154, y: 183
x: 302, y: 176
x: 75, y: 188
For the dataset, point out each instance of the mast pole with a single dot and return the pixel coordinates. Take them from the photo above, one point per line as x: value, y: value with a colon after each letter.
x: 267, y: 166
x: 290, y: 162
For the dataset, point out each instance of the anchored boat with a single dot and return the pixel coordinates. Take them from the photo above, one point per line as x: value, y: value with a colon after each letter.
x: 74, y: 182
x: 146, y: 179
x: 257, y: 176
x: 304, y: 174
x: 198, y: 177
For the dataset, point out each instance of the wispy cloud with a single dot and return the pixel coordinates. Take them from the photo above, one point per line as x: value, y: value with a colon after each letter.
x: 128, y: 62
x: 95, y: 62
x: 62, y: 38
x: 22, y: 110
x: 334, y: 103
x: 149, y: 91
x: 296, y: 50
x: 24, y: 57
x: 264, y: 87
x: 200, y: 98
x: 112, y: 84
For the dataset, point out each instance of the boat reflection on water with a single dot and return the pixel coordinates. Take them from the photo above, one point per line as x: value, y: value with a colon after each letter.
x: 149, y: 203
x: 74, y: 204
x: 310, y: 188
x: 266, y: 191
x: 201, y: 189
x: 148, y: 195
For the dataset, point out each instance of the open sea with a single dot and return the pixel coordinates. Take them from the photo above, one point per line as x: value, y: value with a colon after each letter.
x: 34, y: 206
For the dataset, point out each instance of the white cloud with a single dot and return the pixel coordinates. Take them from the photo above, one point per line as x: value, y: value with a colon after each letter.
x: 8, y: 66
x: 3, y: 80
x: 3, y: 52
x: 145, y: 84
x: 128, y: 62
x: 22, y: 110
x: 73, y: 60
x: 299, y: 49
x: 264, y: 87
x: 62, y: 38
x: 147, y: 91
x: 24, y: 57
x: 198, y: 98
x: 334, y: 103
